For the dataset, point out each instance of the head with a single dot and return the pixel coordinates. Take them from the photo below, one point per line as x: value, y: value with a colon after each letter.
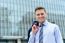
x: 41, y: 14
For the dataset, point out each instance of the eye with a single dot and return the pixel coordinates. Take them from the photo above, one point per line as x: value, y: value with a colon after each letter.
x: 42, y: 13
x: 38, y: 14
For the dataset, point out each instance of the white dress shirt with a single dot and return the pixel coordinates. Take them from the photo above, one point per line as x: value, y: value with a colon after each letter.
x: 51, y: 34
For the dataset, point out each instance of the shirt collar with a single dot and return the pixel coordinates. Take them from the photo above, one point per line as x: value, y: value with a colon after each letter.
x: 46, y: 22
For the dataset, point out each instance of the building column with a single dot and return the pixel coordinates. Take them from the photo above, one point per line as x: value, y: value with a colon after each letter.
x: 18, y: 40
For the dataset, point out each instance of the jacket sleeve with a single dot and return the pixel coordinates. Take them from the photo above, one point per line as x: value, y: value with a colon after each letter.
x: 29, y: 33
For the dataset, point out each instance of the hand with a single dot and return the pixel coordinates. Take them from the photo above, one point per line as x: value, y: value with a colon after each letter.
x: 34, y: 29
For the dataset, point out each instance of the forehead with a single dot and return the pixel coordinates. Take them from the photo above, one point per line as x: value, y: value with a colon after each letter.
x: 40, y: 11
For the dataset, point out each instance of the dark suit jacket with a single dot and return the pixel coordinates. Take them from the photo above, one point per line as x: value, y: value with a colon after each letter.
x: 34, y: 22
x: 29, y: 32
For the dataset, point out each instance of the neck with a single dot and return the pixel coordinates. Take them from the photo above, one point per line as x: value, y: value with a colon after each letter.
x: 41, y: 22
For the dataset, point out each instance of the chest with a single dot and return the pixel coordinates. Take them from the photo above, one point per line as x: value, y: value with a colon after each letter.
x: 47, y: 31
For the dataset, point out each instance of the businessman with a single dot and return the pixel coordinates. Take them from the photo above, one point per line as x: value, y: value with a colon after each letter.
x: 44, y: 32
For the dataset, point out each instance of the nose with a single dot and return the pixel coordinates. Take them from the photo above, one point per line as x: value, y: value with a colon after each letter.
x: 41, y: 15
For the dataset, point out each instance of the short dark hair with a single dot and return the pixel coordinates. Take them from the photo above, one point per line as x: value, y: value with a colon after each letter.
x: 39, y: 8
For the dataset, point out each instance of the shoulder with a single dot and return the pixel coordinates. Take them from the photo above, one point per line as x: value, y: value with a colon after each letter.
x: 52, y: 25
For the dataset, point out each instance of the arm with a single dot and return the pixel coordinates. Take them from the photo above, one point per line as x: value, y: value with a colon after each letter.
x: 32, y: 34
x: 31, y: 39
x: 58, y: 36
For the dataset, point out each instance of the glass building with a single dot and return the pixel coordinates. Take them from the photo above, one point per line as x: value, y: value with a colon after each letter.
x: 16, y: 17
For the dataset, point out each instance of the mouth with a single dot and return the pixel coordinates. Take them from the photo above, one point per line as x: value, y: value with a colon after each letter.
x: 41, y: 18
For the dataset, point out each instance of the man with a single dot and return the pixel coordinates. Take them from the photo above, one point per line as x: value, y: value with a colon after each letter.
x: 46, y: 32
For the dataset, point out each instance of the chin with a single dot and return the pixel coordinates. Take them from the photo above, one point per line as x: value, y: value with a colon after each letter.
x: 41, y: 21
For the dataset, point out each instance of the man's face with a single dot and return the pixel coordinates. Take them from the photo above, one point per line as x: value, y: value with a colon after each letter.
x: 41, y: 15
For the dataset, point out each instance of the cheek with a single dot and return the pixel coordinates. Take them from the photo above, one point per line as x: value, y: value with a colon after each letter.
x: 37, y: 17
x: 44, y: 16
